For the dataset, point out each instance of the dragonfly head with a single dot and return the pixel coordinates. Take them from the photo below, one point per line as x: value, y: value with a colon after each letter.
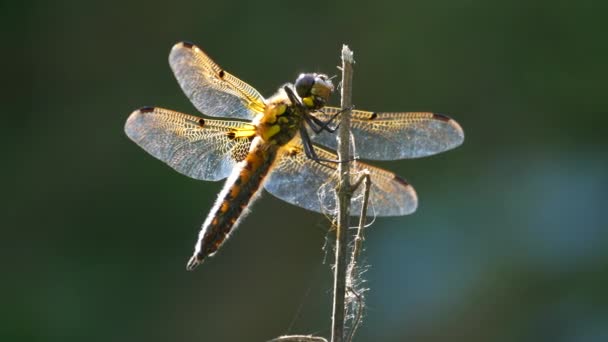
x: 314, y: 89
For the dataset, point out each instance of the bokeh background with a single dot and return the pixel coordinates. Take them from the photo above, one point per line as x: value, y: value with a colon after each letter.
x: 510, y: 239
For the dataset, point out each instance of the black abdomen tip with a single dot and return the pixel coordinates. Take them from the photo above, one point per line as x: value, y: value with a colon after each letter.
x: 193, y: 263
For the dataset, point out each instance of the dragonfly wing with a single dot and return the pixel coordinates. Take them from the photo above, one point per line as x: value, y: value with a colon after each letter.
x: 299, y: 180
x: 199, y: 148
x: 390, y: 136
x: 211, y: 89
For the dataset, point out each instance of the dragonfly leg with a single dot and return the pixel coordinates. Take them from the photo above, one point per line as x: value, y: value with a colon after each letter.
x: 318, y: 125
x: 309, y: 150
x: 292, y: 97
x: 324, y: 125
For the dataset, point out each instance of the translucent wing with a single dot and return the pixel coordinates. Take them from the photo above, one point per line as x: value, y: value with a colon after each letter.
x: 196, y: 147
x: 211, y: 89
x: 389, y: 136
x: 299, y: 180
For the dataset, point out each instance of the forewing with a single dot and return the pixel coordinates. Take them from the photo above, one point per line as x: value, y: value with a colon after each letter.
x: 196, y: 147
x: 301, y: 181
x: 211, y: 89
x: 390, y: 136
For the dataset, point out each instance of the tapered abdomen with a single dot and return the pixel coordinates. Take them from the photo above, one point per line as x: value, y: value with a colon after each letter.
x: 238, y: 193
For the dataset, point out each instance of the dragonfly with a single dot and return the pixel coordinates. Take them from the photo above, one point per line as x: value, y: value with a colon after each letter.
x: 283, y: 143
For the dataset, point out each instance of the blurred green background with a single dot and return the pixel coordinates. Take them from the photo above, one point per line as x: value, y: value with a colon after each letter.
x: 510, y: 239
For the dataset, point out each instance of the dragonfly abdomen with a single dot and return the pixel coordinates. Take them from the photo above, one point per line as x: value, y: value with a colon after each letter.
x: 238, y: 193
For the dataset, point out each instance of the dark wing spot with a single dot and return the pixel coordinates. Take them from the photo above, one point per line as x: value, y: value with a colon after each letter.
x: 222, y: 74
x: 187, y: 44
x: 231, y: 135
x: 201, y: 122
x: 292, y: 153
x: 146, y: 109
x: 373, y: 116
x: 441, y: 117
x: 401, y: 181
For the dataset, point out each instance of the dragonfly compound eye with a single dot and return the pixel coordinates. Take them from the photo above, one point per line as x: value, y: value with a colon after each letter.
x: 304, y: 84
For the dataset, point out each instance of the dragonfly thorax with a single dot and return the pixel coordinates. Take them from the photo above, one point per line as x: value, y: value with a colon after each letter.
x: 280, y: 122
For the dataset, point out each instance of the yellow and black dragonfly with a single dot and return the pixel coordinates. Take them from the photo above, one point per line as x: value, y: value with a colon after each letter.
x: 273, y: 143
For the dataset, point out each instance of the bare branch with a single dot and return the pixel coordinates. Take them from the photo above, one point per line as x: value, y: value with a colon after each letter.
x: 344, y: 197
